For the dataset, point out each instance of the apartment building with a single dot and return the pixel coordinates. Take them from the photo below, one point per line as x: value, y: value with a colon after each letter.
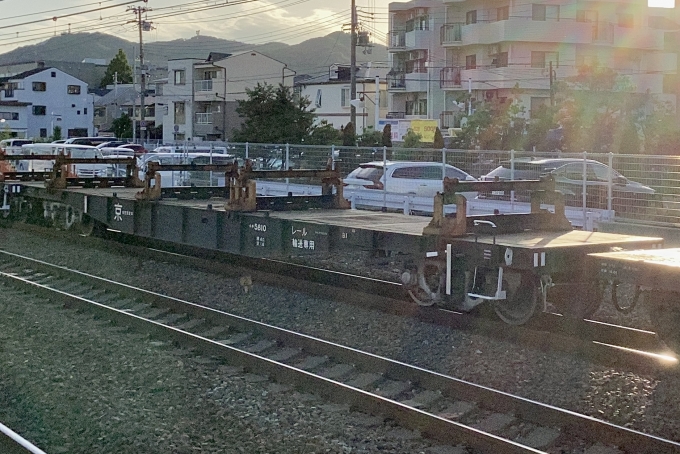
x: 329, y: 95
x: 200, y: 96
x: 491, y: 47
x: 416, y: 56
x: 34, y: 102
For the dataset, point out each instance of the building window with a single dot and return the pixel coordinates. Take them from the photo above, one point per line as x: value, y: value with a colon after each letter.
x: 501, y: 60
x: 208, y: 75
x: 543, y: 12
x: 180, y: 77
x: 39, y: 86
x: 77, y: 112
x: 53, y: 74
x: 85, y: 111
x: 418, y: 107
x: 43, y: 132
x: 583, y: 15
x: 540, y: 59
x: 73, y: 89
x: 180, y: 113
x: 344, y: 97
x: 626, y: 20
x: 471, y: 61
x: 39, y: 110
x: 9, y: 116
x: 471, y: 17
x: 503, y: 13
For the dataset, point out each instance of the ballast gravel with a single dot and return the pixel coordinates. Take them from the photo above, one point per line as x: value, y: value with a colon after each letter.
x: 212, y: 405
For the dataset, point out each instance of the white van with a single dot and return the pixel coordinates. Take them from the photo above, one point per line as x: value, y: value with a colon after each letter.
x: 88, y: 152
x: 37, y: 149
x: 13, y: 146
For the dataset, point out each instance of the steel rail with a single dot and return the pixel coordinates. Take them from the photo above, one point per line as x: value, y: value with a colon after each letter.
x: 442, y: 429
x: 607, y: 344
x: 13, y: 443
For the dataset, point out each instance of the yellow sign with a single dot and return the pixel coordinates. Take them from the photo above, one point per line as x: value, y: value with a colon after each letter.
x: 425, y: 128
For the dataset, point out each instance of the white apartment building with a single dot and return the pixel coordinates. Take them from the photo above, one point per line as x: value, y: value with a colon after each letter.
x: 492, y: 46
x: 416, y: 57
x: 33, y: 102
x: 329, y: 95
x: 200, y: 97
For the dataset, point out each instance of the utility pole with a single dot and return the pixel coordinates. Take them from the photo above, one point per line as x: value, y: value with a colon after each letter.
x: 353, y: 65
x: 552, y: 91
x: 142, y: 26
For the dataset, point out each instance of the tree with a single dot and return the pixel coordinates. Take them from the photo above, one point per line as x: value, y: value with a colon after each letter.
x: 348, y: 133
x: 387, y: 136
x: 56, y: 133
x: 324, y: 134
x: 438, y: 142
x: 122, y: 127
x: 370, y: 138
x: 274, y: 115
x: 599, y: 105
x: 495, y: 125
x: 411, y: 139
x: 118, y: 64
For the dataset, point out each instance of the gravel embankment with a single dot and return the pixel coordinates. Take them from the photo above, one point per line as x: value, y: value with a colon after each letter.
x: 647, y: 403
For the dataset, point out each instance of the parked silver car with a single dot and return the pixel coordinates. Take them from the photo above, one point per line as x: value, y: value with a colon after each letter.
x: 627, y: 195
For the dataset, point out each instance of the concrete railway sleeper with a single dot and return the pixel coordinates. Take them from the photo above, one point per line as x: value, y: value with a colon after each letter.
x: 442, y: 407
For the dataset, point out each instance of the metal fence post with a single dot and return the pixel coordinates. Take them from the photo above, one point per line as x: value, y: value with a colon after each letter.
x: 332, y: 157
x: 287, y: 167
x: 610, y: 181
x: 584, y: 186
x: 246, y: 150
x: 512, y: 177
x: 385, y: 178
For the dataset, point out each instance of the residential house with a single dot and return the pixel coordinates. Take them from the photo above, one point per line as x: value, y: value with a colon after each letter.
x: 34, y: 102
x: 119, y: 99
x: 201, y: 96
x: 329, y: 94
x: 492, y: 47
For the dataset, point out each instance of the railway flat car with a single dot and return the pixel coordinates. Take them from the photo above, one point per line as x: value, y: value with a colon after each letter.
x: 515, y: 262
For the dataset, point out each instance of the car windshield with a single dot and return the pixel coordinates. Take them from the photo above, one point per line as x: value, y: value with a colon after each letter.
x: 371, y: 173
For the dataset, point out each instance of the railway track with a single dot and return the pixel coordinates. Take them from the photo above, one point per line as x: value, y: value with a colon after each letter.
x: 444, y: 408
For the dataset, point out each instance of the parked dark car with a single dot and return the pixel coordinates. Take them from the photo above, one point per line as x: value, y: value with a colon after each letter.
x: 627, y: 196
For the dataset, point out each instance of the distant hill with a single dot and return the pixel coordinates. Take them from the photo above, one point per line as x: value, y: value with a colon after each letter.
x: 308, y: 57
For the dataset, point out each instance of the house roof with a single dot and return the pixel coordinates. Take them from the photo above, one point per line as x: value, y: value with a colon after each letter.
x: 23, y: 75
x: 364, y: 73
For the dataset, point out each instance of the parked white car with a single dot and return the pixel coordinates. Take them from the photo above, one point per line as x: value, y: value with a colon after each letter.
x: 405, y: 177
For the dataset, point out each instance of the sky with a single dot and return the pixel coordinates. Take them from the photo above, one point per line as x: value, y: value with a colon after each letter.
x: 25, y: 22
x: 251, y: 21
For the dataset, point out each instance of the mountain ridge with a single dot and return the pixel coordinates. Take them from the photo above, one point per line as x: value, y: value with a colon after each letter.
x: 310, y: 56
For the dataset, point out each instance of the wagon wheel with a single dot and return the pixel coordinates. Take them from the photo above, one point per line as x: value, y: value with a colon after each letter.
x: 664, y: 312
x: 577, y: 301
x: 625, y: 296
x: 521, y: 302
x: 431, y: 279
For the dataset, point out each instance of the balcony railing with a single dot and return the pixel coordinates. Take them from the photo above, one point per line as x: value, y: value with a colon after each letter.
x: 203, y: 85
x: 451, y: 33
x: 450, y: 77
x: 396, y: 81
x: 398, y: 38
x: 204, y: 118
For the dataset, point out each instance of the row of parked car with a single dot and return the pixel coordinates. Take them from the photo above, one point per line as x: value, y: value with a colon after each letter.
x: 425, y: 179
